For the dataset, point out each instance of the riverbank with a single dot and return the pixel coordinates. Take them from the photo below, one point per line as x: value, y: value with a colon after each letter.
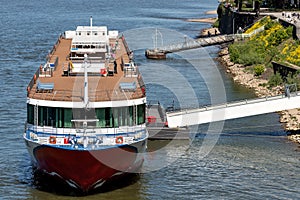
x: 289, y: 118
x: 209, y: 20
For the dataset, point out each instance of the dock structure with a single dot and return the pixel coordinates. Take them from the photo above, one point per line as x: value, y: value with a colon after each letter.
x: 233, y: 110
x: 158, y: 129
x: 160, y: 53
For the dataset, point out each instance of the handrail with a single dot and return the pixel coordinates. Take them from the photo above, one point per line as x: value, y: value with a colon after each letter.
x: 94, y: 95
x: 34, y: 78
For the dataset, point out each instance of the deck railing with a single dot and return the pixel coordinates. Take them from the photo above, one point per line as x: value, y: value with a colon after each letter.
x: 94, y: 95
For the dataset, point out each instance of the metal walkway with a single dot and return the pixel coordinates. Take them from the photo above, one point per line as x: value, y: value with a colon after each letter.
x: 232, y: 110
x: 160, y: 53
x: 201, y: 42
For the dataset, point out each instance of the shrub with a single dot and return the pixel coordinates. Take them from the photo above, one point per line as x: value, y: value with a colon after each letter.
x: 293, y: 79
x: 258, y: 70
x: 249, y: 53
x: 216, y: 24
x: 275, y: 80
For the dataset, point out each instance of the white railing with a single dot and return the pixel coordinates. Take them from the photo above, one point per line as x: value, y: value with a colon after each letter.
x: 91, y: 138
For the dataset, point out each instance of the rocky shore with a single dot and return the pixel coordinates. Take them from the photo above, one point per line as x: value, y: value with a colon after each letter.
x: 289, y: 118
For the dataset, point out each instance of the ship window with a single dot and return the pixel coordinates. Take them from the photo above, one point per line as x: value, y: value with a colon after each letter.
x: 49, y: 116
x: 87, y: 33
x: 123, y: 116
x: 108, y: 117
x: 116, y: 117
x: 141, y: 114
x: 59, y: 117
x: 41, y: 116
x: 30, y: 114
x: 67, y: 118
x: 95, y: 33
x: 130, y: 118
x: 100, y: 114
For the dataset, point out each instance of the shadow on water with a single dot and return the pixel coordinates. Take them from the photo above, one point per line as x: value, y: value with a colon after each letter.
x: 55, y: 185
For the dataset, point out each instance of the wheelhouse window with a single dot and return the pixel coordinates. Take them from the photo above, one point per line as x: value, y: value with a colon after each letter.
x: 141, y: 114
x: 30, y: 114
x: 103, y: 117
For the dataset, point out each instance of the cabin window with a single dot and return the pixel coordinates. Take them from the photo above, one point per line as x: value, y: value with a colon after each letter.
x: 67, y: 118
x: 30, y: 114
x: 141, y: 114
x: 50, y: 116
x: 131, y: 116
x: 59, y: 117
x: 41, y: 116
x: 107, y: 117
x: 100, y: 114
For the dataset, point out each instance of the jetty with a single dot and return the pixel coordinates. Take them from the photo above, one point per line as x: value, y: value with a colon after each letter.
x: 157, y: 125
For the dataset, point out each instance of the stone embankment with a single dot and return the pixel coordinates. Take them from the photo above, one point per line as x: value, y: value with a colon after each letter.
x: 289, y: 118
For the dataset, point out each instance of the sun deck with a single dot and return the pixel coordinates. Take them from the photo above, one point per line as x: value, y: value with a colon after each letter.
x: 59, y: 80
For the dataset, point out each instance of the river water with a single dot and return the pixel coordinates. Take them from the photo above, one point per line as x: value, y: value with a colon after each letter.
x: 251, y: 158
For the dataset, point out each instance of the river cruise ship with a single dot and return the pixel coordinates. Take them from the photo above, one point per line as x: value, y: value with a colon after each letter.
x: 86, y: 110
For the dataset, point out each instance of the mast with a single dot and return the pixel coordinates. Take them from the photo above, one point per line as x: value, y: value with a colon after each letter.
x: 91, y: 24
x: 86, y: 90
x: 156, y: 39
x: 155, y: 45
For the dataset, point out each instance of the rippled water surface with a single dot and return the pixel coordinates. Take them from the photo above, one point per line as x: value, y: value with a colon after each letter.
x: 252, y: 158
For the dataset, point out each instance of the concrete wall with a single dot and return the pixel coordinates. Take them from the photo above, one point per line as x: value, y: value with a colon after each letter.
x: 230, y: 21
x: 283, y: 70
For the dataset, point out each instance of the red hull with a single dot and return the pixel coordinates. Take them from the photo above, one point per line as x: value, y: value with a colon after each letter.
x: 87, y: 170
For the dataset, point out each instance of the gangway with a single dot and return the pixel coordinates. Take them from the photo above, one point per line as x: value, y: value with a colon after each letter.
x: 233, y: 110
x: 161, y: 52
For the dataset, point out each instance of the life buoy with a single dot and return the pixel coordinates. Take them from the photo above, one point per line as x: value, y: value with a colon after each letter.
x: 119, y: 140
x: 52, y: 140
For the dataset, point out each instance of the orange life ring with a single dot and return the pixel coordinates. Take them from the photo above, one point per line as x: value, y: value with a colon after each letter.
x: 52, y: 140
x: 119, y: 140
